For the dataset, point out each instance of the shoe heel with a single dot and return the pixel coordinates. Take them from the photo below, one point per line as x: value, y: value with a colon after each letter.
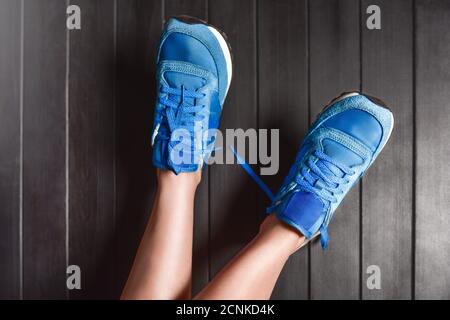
x: 189, y: 19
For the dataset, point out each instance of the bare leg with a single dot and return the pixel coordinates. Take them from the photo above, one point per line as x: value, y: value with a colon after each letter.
x: 252, y: 274
x: 163, y: 263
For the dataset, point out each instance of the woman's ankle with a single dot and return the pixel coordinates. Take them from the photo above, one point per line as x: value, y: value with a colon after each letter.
x: 287, y: 236
x: 168, y: 178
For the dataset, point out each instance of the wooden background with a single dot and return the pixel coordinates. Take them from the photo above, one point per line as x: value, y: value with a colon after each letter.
x: 76, y: 180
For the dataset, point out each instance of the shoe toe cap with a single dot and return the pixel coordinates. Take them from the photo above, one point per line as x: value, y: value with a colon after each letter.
x: 182, y: 47
x: 359, y: 124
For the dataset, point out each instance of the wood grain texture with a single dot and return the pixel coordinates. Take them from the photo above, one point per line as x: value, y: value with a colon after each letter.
x: 387, y: 73
x: 91, y: 145
x: 433, y: 149
x: 200, y: 263
x: 335, y: 68
x: 193, y: 8
x: 233, y: 216
x: 283, y: 105
x: 138, y: 28
x: 290, y: 58
x: 10, y: 145
x: 44, y: 147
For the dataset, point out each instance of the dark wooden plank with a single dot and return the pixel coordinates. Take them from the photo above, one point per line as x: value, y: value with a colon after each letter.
x: 44, y: 144
x: 283, y: 104
x: 138, y: 29
x: 387, y: 73
x: 10, y: 146
x: 91, y: 144
x: 233, y: 216
x: 200, y: 263
x: 334, y: 41
x: 193, y: 8
x: 433, y: 149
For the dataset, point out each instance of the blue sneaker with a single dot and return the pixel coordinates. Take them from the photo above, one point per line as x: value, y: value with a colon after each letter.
x: 340, y: 146
x: 193, y: 76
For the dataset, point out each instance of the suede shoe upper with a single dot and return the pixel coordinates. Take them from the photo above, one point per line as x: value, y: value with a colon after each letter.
x: 338, y: 149
x: 193, y: 77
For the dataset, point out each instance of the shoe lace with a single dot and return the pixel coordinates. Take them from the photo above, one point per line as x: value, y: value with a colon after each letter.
x: 177, y: 113
x: 321, y: 175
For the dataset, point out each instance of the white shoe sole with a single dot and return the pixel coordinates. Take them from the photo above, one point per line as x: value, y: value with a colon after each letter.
x: 226, y: 52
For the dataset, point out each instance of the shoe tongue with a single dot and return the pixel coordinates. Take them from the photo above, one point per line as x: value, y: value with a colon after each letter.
x: 306, y: 210
x: 189, y: 82
x: 340, y: 153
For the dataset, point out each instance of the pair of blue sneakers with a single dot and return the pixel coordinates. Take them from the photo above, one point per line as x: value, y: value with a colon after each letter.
x: 193, y: 77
